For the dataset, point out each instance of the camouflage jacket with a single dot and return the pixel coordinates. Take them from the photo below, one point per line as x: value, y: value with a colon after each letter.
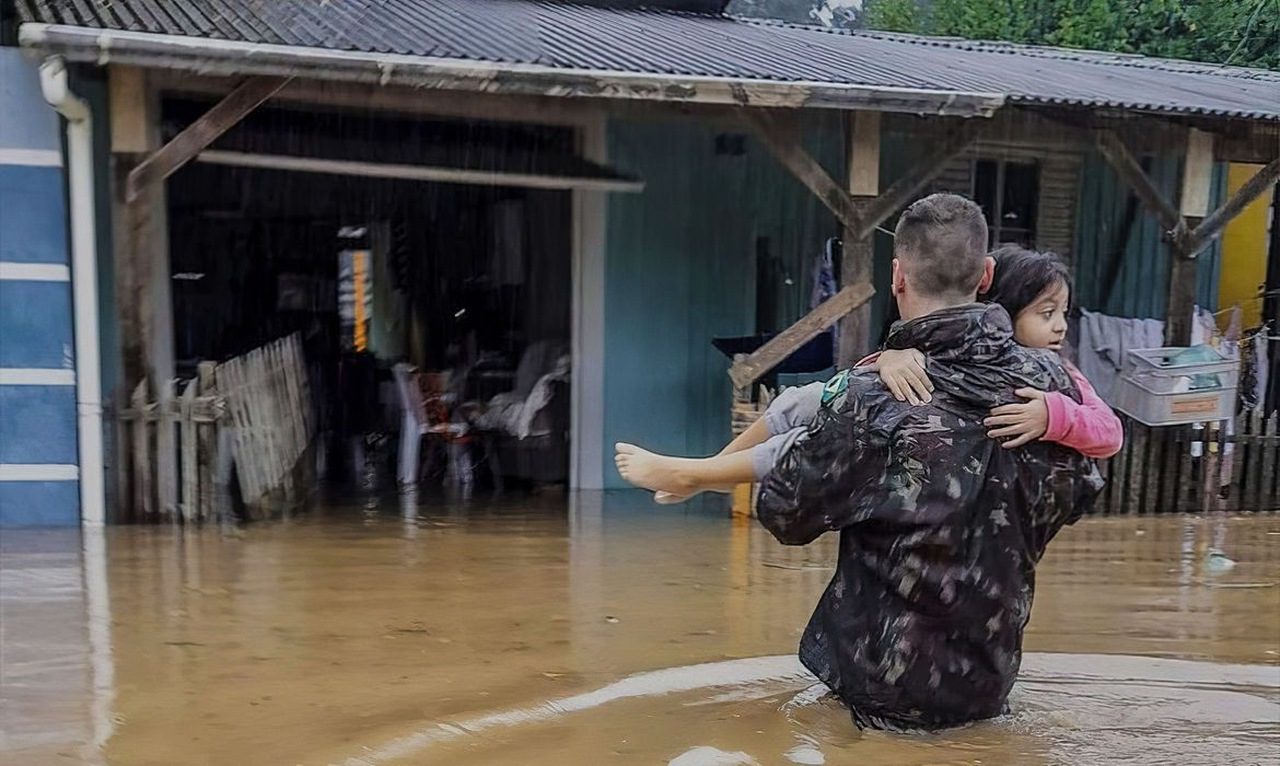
x: 940, y: 527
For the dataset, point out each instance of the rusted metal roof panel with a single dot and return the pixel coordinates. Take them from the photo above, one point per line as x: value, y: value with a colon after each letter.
x: 623, y: 38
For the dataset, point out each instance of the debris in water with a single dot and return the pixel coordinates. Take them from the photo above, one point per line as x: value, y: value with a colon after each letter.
x: 611, y: 619
x: 1217, y: 561
x: 806, y: 755
x: 712, y: 756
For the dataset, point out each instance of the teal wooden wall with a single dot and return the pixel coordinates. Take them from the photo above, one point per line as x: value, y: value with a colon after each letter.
x: 1142, y: 282
x: 681, y: 269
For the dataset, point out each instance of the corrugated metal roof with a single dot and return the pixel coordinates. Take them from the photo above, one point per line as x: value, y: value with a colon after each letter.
x: 575, y: 36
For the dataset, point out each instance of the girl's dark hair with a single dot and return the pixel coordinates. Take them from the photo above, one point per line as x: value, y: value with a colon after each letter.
x: 1023, y: 275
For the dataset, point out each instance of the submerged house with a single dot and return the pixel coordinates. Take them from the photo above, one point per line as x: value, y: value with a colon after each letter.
x: 521, y: 181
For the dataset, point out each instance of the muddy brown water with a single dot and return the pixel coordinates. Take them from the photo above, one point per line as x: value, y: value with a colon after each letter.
x: 594, y: 629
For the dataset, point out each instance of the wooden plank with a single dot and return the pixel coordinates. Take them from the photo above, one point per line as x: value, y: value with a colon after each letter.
x: 782, y: 136
x: 207, y: 446
x: 768, y: 356
x: 122, y: 454
x: 127, y: 88
x: 1126, y: 166
x: 864, y: 154
x: 200, y: 134
x: 1262, y: 181
x: 142, y: 469
x: 189, y: 446
x: 859, y: 252
x: 1197, y: 174
x: 406, y: 171
x: 166, y: 452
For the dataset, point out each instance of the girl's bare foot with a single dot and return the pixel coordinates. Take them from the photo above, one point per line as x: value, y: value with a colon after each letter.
x: 651, y: 471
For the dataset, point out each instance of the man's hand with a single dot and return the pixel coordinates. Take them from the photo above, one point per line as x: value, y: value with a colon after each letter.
x: 902, y: 372
x: 1020, y: 423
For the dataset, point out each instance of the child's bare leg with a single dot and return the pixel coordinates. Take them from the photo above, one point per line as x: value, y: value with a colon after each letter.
x: 756, y: 433
x: 793, y: 408
x: 683, y: 476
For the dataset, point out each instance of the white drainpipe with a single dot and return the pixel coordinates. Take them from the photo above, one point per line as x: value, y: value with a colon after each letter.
x: 84, y: 285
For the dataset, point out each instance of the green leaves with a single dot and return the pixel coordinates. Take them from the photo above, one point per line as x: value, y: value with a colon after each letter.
x: 1240, y: 32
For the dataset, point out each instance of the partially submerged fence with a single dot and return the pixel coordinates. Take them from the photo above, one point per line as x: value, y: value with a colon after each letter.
x: 249, y: 417
x: 1231, y: 467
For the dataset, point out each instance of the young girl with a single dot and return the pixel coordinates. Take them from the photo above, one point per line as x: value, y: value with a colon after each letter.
x: 1033, y: 287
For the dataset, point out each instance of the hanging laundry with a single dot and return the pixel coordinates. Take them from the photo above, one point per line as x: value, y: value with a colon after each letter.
x: 825, y: 286
x: 1104, y: 343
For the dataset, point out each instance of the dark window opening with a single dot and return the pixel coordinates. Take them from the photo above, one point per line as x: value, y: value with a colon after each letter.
x: 1009, y: 193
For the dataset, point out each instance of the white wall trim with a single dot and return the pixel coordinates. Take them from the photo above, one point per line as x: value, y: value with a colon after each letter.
x: 38, y: 472
x: 34, y: 272
x: 45, y: 158
x: 32, y: 376
x: 586, y: 430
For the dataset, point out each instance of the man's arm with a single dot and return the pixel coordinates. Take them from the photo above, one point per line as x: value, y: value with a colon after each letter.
x: 820, y: 484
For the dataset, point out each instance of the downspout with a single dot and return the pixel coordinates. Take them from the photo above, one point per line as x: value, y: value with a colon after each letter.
x: 84, y: 286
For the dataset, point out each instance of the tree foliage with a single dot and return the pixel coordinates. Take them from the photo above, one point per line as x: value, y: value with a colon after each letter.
x: 1241, y: 32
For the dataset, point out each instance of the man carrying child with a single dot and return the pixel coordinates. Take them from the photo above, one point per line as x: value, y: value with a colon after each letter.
x: 940, y: 528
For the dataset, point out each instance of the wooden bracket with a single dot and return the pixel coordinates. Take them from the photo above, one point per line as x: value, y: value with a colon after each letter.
x: 1266, y: 177
x: 746, y: 371
x: 781, y: 133
x: 1126, y: 166
x: 184, y: 147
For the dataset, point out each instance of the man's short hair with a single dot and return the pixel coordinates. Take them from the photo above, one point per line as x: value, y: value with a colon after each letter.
x: 943, y: 239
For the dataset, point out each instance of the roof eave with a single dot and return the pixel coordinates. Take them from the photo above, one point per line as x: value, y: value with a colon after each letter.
x: 231, y: 58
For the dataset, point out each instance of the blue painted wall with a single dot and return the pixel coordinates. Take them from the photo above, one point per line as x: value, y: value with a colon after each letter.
x: 1142, y: 282
x: 681, y: 269
x: 37, y: 422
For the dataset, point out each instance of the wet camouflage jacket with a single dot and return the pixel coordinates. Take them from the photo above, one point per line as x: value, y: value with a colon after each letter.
x: 940, y: 527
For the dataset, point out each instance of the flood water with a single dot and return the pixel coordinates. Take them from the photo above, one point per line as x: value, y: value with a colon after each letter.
x: 594, y: 629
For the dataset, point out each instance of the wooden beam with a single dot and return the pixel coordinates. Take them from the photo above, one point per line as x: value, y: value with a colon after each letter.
x: 1266, y: 177
x: 418, y: 172
x: 1197, y: 174
x: 770, y: 355
x: 900, y: 194
x: 864, y: 154
x: 782, y: 136
x: 127, y: 88
x: 204, y: 131
x: 1126, y: 166
x: 863, y: 181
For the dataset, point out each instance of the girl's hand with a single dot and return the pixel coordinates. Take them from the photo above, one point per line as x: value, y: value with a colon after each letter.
x: 1020, y: 423
x: 902, y: 372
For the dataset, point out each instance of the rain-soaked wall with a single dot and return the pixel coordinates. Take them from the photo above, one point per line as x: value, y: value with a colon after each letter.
x: 1140, y: 287
x: 681, y: 269
x: 37, y: 383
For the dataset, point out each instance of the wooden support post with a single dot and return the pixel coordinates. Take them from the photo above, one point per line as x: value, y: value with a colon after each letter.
x: 1197, y: 183
x: 142, y: 472
x: 204, y: 131
x: 747, y: 371
x: 860, y: 217
x: 857, y: 263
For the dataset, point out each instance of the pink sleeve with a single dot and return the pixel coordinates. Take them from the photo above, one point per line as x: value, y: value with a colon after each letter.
x: 1088, y: 427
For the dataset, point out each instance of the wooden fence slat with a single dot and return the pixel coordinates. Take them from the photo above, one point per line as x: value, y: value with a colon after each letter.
x: 189, y: 447
x: 207, y: 443
x: 166, y: 452
x: 142, y: 473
